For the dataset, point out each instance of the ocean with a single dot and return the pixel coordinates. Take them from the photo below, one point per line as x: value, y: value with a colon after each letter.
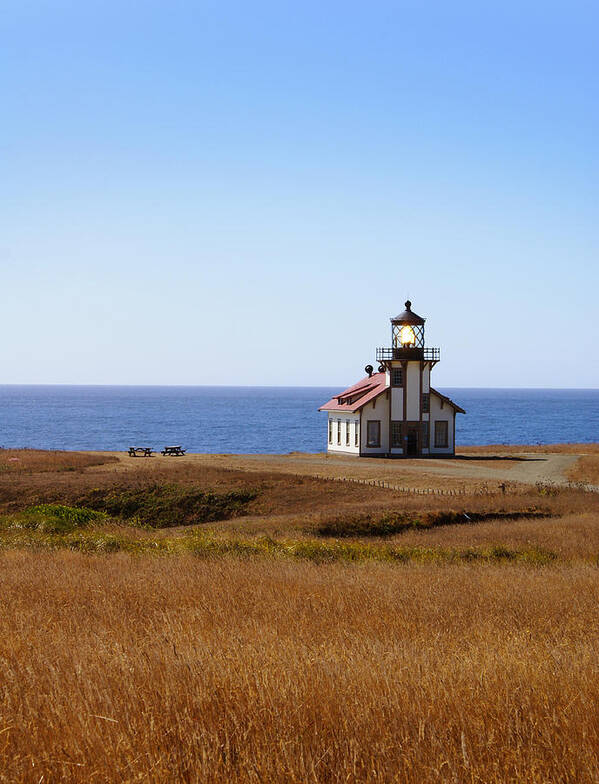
x: 263, y: 419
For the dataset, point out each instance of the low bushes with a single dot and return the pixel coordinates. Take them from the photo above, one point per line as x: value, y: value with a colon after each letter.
x: 168, y: 505
x: 390, y: 523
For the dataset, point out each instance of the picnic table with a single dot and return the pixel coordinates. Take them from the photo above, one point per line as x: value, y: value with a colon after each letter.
x: 140, y: 451
x: 173, y: 451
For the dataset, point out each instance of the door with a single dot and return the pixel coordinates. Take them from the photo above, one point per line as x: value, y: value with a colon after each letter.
x: 412, y: 446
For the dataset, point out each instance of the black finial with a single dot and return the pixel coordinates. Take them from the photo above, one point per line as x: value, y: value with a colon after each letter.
x: 408, y: 304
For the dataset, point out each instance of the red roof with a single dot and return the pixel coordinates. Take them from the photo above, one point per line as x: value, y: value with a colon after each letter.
x: 354, y: 397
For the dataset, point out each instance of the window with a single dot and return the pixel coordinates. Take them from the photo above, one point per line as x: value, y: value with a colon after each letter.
x: 373, y: 433
x: 425, y: 435
x: 441, y: 441
x: 397, y: 377
x: 338, y: 432
x: 396, y: 434
x: 347, y: 434
x: 426, y: 403
x: 356, y: 434
x: 330, y: 431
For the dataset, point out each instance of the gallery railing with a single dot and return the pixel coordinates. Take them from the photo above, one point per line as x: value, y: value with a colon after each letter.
x: 427, y: 354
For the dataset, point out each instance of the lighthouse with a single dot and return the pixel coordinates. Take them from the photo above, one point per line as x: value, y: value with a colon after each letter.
x: 395, y: 412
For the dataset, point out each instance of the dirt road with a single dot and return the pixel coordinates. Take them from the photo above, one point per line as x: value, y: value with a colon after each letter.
x: 467, y: 469
x: 526, y: 468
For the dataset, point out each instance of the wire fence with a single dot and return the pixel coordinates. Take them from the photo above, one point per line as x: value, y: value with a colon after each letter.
x: 544, y: 488
x: 452, y: 491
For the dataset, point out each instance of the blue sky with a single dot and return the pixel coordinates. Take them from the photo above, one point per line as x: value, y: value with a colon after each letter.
x: 243, y: 193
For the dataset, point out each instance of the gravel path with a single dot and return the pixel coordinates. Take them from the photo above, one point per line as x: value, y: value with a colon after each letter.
x: 529, y: 468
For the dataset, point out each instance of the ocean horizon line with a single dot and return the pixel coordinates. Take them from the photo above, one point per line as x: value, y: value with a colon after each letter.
x: 280, y: 386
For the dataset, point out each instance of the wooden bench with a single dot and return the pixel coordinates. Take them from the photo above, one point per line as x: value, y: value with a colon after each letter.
x: 173, y: 451
x: 140, y: 451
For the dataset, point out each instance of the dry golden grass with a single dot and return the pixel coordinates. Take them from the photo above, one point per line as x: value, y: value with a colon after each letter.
x: 585, y: 469
x: 571, y: 536
x: 127, y: 670
x: 262, y: 666
x: 37, y: 460
x: 516, y: 449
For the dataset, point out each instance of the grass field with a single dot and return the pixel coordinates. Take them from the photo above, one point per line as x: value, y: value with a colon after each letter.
x: 586, y: 469
x: 180, y: 621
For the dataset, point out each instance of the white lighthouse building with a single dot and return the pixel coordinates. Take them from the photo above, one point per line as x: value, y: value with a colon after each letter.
x: 395, y: 412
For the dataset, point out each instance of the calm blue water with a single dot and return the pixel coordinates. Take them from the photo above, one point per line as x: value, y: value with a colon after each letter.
x: 263, y: 419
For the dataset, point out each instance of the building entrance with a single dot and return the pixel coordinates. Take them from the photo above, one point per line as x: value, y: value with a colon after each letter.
x: 412, y: 444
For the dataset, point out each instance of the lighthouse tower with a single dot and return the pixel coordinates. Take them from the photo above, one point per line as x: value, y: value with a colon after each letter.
x: 407, y: 365
x: 395, y: 412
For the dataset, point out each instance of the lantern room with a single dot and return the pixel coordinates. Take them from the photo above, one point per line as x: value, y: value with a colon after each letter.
x: 407, y: 329
x: 407, y: 340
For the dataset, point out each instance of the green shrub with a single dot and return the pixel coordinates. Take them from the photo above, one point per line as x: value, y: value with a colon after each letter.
x: 55, y: 518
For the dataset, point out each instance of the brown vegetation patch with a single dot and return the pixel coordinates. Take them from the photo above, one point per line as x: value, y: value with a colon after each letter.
x: 585, y: 469
x: 16, y: 461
